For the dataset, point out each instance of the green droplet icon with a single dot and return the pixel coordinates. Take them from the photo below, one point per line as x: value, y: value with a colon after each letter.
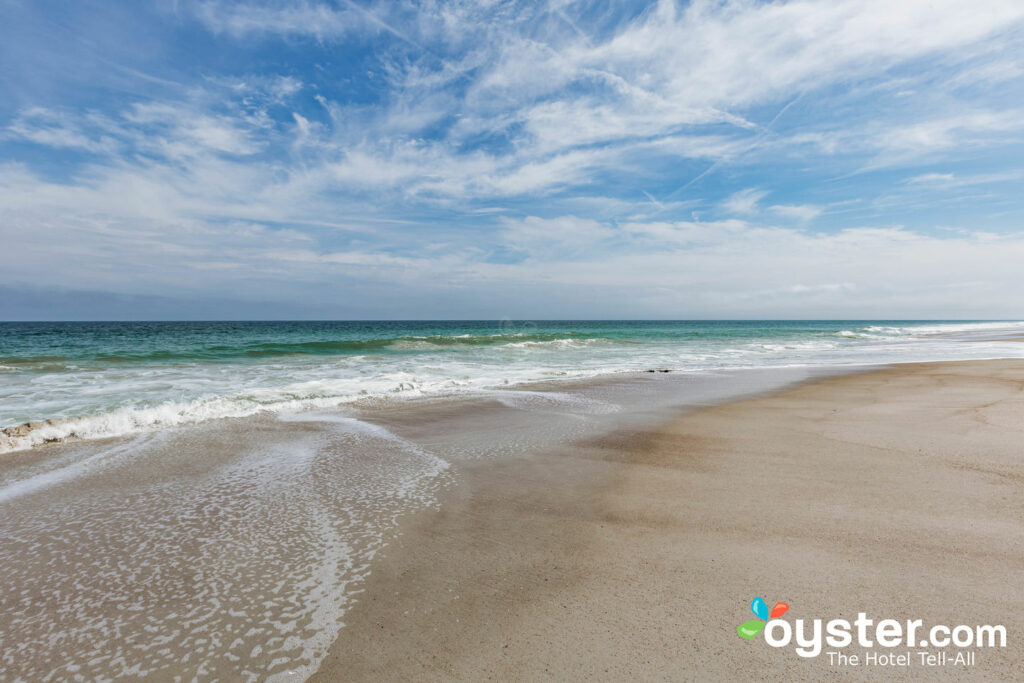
x: 750, y: 629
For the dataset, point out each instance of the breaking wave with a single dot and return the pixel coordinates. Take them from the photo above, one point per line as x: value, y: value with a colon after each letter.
x: 119, y: 381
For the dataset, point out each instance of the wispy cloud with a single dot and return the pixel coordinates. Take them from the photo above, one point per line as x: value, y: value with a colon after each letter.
x: 316, y: 19
x: 307, y: 143
x: 800, y: 212
x: 744, y: 201
x: 947, y: 180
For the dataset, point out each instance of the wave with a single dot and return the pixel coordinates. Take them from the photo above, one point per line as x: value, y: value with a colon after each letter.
x: 328, y: 347
x: 872, y: 333
x: 940, y: 328
x: 135, y: 420
x: 918, y: 330
x: 111, y: 400
x: 420, y: 343
x: 563, y: 343
x: 36, y: 363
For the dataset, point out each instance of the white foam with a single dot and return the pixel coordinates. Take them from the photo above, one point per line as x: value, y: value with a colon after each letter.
x: 552, y: 401
x: 118, y: 401
x: 558, y: 344
x: 63, y: 472
x: 949, y: 328
x: 280, y: 531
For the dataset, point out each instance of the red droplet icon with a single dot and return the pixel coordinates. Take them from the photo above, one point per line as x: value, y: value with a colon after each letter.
x: 779, y: 609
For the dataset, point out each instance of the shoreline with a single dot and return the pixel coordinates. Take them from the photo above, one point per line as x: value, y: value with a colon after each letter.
x: 29, y: 436
x: 636, y: 554
x: 130, y: 390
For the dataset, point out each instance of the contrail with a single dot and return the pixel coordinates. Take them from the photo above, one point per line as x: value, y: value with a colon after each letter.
x: 384, y: 25
x: 765, y: 131
x: 653, y: 200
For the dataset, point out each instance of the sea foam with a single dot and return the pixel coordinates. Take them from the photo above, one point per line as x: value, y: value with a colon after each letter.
x: 75, y: 382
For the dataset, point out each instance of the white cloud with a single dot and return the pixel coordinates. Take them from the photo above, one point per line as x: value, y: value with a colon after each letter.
x: 799, y: 212
x: 56, y: 129
x: 674, y: 82
x: 946, y: 132
x: 673, y: 67
x: 301, y: 18
x: 745, y: 201
x: 668, y: 71
x: 746, y: 270
x: 685, y: 233
x: 93, y: 238
x: 563, y: 234
x: 948, y: 180
x: 509, y: 106
x: 932, y: 178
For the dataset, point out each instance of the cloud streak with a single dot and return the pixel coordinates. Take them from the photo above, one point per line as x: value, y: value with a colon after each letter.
x: 467, y: 150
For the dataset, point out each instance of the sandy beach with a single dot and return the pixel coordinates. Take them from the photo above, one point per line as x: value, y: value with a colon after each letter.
x: 899, y: 493
x: 654, y: 340
x: 610, y: 529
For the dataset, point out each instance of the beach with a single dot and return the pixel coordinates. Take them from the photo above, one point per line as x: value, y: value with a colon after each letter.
x: 896, y: 492
x: 674, y: 340
x: 655, y: 340
x: 604, y: 527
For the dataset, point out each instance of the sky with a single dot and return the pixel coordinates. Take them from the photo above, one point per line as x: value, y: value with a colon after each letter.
x: 355, y: 159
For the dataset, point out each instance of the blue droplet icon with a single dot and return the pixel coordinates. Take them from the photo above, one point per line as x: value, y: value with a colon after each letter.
x: 760, y: 608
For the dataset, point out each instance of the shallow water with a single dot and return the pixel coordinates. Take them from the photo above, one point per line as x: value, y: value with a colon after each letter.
x: 95, y: 380
x: 224, y: 551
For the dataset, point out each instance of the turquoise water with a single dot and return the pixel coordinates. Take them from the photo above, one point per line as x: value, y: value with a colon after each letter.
x: 103, y: 379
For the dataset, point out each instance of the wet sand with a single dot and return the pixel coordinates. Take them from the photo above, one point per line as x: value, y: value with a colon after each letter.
x: 232, y: 549
x: 899, y: 493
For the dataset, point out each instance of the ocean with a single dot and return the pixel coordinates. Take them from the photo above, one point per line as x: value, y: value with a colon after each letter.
x: 101, y: 379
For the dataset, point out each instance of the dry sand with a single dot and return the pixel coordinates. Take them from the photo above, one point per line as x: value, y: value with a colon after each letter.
x: 899, y: 493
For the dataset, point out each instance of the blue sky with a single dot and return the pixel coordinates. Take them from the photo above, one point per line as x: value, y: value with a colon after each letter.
x: 355, y: 159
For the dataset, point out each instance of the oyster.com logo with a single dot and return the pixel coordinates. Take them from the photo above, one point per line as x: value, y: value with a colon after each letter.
x: 903, y: 642
x: 759, y: 607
